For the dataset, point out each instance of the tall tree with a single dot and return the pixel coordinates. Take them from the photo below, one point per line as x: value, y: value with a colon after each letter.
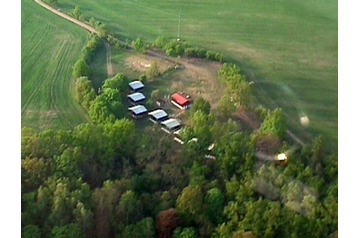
x: 81, y: 68
x: 200, y: 104
x: 275, y: 123
x: 77, y: 12
x: 190, y: 203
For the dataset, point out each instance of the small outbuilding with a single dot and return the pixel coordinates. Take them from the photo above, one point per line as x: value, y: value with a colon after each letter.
x: 138, y: 111
x: 171, y: 125
x: 158, y: 115
x: 136, y: 98
x: 136, y: 86
x: 180, y: 101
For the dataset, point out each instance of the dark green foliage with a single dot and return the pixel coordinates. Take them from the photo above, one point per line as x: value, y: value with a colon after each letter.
x: 70, y: 230
x: 144, y: 228
x: 214, y: 203
x: 187, y: 232
x: 274, y: 123
x: 31, y: 231
x: 85, y: 93
x: 160, y: 42
x: 200, y: 104
x: 119, y: 82
x: 81, y: 68
x: 139, y: 45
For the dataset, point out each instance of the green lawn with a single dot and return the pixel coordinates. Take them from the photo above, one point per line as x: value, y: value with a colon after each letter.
x: 49, y: 48
x: 289, y: 47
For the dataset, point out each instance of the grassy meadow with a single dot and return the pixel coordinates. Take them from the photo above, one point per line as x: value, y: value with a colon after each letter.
x: 49, y: 48
x: 289, y: 48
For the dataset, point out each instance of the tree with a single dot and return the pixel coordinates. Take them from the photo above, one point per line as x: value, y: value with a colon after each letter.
x: 84, y: 92
x: 187, y: 232
x: 77, y: 13
x: 153, y: 71
x: 200, y: 124
x: 166, y: 222
x: 200, y: 104
x: 128, y: 209
x: 143, y: 228
x: 139, y: 46
x: 119, y: 82
x: 226, y: 106
x: 34, y: 172
x: 84, y: 218
x: 214, y: 203
x: 190, y: 203
x: 99, y: 111
x: 160, y: 42
x: 31, y: 231
x: 81, y: 68
x: 275, y: 123
x: 71, y: 230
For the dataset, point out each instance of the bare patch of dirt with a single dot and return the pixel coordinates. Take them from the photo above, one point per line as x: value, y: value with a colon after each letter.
x: 141, y: 63
x: 199, y: 78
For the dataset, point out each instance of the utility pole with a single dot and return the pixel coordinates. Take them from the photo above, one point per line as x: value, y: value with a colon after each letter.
x: 179, y: 26
x: 178, y: 39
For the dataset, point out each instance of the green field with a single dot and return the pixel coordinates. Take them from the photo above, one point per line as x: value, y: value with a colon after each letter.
x: 49, y: 48
x: 290, y: 48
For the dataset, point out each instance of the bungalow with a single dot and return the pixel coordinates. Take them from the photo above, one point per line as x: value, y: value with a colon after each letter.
x: 138, y: 111
x: 136, y: 86
x: 136, y: 98
x: 180, y: 101
x: 171, y: 125
x: 158, y: 115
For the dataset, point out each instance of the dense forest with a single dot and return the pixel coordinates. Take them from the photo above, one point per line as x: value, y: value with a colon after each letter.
x: 109, y: 178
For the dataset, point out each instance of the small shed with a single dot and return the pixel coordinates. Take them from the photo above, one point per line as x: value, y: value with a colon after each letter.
x: 171, y: 125
x: 136, y: 98
x: 180, y: 101
x: 138, y: 111
x: 136, y: 86
x: 158, y: 115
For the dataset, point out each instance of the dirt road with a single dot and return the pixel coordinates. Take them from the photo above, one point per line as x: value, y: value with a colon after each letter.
x: 84, y: 26
x: 71, y: 19
x: 109, y: 60
x: 109, y: 55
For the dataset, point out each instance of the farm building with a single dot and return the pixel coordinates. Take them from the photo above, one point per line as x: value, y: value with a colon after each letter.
x: 180, y: 101
x: 158, y: 115
x: 138, y: 111
x: 171, y: 125
x: 136, y: 86
x: 136, y: 98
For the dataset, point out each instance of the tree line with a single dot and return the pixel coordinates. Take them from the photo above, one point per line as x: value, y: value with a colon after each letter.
x: 110, y: 179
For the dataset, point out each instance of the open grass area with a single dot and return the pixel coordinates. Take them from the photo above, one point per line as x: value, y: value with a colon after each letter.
x: 289, y: 47
x: 49, y: 48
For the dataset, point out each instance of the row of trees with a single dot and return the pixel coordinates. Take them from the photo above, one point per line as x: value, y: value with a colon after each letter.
x: 181, y: 48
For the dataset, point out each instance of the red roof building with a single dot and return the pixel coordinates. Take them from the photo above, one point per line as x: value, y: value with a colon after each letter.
x: 180, y: 101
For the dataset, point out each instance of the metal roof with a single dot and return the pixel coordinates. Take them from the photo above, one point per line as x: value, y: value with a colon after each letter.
x: 180, y: 99
x: 171, y: 123
x: 157, y: 114
x: 138, y: 109
x: 135, y: 97
x: 136, y: 85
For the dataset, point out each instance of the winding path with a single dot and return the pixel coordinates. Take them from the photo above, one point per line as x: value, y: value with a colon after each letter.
x: 109, y: 59
x: 86, y: 27
x: 109, y: 55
